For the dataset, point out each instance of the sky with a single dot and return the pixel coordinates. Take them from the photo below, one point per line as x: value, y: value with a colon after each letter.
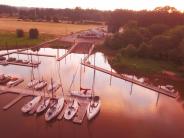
x: 97, y: 4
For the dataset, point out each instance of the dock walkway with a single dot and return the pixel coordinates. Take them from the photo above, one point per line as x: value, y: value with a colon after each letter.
x: 79, y: 117
x: 154, y: 88
x: 14, y: 101
x: 68, y: 52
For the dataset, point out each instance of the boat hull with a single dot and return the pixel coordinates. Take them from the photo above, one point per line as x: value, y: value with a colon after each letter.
x: 93, y: 111
x: 71, y: 110
x: 54, y: 111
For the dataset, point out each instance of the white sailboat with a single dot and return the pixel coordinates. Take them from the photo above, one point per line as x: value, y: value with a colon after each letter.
x: 32, y: 83
x: 94, y: 107
x: 95, y: 104
x: 71, y: 109
x: 83, y: 92
x: 43, y: 105
x: 30, y: 105
x: 41, y: 84
x: 54, y: 86
x: 54, y: 110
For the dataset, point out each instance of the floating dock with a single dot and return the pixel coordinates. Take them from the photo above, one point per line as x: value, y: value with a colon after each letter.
x: 154, y: 88
x: 41, y: 55
x: 13, y: 102
x: 68, y: 52
x: 4, y: 63
x: 79, y: 117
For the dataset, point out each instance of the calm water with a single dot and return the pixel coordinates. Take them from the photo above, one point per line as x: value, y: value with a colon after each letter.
x: 124, y: 113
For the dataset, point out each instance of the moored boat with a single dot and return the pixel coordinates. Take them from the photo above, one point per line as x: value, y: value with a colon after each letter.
x: 54, y: 110
x: 93, y: 107
x: 53, y: 87
x: 30, y: 105
x: 40, y: 85
x: 43, y: 105
x: 71, y: 109
x: 32, y: 83
x: 83, y: 94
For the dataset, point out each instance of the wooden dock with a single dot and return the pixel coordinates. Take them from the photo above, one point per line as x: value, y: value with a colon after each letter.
x: 13, y: 52
x: 41, y: 55
x: 68, y: 52
x: 19, y: 64
x: 154, y: 88
x: 13, y: 102
x: 89, y: 53
x: 79, y: 117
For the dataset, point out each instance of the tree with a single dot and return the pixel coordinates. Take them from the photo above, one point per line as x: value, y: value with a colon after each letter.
x: 157, y: 29
x: 33, y: 33
x: 19, y: 33
x: 130, y: 50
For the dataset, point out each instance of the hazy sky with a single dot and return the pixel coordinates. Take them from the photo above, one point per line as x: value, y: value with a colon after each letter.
x: 97, y: 4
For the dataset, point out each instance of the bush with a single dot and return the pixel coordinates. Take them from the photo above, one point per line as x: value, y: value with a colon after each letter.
x: 19, y: 33
x: 33, y: 33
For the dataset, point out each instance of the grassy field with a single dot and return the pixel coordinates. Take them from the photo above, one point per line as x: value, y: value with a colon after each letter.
x: 11, y: 24
x: 9, y: 40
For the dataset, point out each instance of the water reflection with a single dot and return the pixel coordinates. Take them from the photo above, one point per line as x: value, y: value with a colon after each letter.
x: 126, y: 108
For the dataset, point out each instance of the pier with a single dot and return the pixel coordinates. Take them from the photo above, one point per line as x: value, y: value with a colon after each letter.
x: 14, y: 101
x: 4, y: 63
x: 68, y: 52
x: 154, y: 88
x: 40, y: 55
x: 79, y: 117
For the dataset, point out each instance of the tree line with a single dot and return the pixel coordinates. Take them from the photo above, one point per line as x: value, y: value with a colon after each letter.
x: 55, y: 15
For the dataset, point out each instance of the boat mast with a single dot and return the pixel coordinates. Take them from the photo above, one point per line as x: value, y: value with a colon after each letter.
x: 52, y: 87
x: 60, y: 79
x: 93, y: 92
x: 80, y: 74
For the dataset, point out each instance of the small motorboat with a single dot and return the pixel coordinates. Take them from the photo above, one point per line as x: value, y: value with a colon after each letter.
x: 71, y: 110
x: 93, y: 107
x: 167, y: 89
x: 53, y: 87
x: 14, y: 81
x: 30, y: 105
x: 85, y: 94
x: 32, y: 83
x: 54, y: 110
x: 40, y: 85
x: 43, y: 105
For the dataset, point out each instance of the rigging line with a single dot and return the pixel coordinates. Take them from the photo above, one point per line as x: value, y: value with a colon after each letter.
x: 73, y: 78
x: 60, y: 79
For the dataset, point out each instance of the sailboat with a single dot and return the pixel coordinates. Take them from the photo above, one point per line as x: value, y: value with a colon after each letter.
x: 40, y: 85
x: 71, y: 109
x: 56, y: 105
x: 30, y: 105
x: 53, y: 86
x: 33, y: 81
x: 54, y: 110
x: 95, y: 104
x: 43, y: 105
x: 83, y: 92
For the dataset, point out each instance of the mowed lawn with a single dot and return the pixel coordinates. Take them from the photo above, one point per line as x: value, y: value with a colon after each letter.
x: 11, y: 24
